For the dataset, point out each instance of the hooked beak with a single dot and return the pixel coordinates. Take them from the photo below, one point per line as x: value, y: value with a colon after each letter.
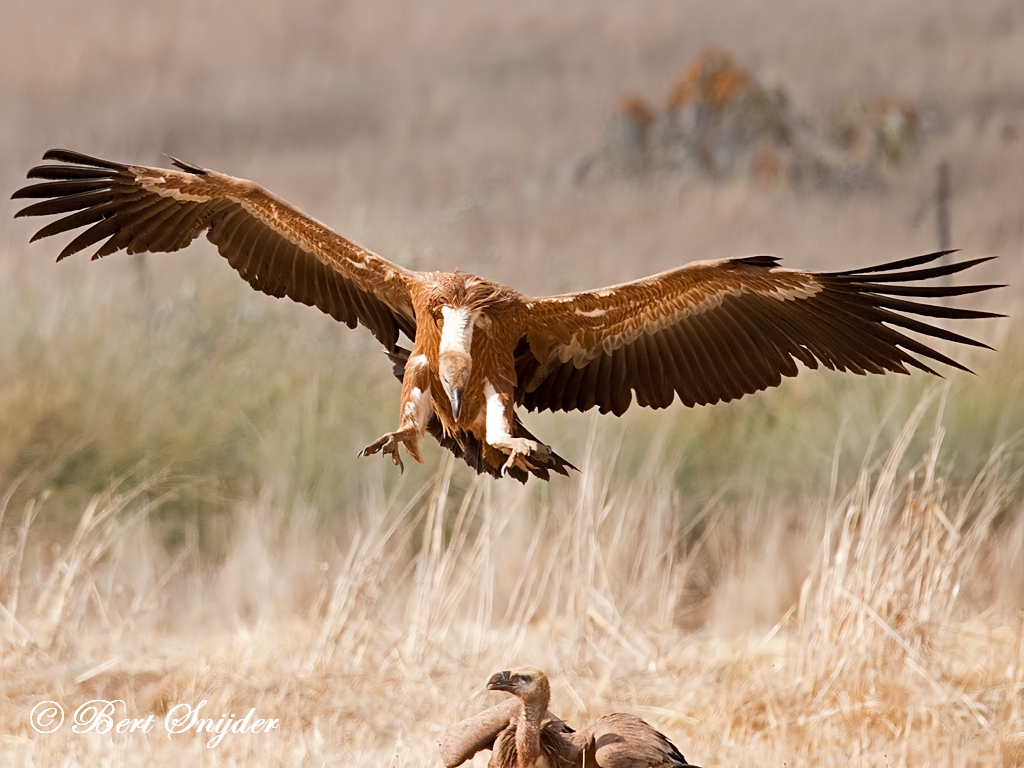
x: 456, y: 400
x: 500, y: 681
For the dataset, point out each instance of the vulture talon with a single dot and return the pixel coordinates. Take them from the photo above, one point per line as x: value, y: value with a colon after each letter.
x: 388, y: 445
x: 520, y: 449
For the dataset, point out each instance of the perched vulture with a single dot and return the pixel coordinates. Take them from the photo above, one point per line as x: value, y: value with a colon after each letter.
x: 706, y: 332
x: 521, y: 733
x: 467, y: 737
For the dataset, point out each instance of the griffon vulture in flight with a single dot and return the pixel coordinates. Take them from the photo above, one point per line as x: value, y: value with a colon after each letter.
x: 706, y: 332
x: 521, y: 733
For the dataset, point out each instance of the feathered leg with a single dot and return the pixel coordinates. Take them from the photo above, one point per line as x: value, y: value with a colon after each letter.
x: 518, y: 450
x: 416, y: 410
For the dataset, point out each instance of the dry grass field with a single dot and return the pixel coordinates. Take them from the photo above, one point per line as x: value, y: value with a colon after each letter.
x: 831, y: 573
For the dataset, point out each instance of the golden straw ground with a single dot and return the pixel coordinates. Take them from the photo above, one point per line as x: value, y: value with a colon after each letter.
x: 369, y: 642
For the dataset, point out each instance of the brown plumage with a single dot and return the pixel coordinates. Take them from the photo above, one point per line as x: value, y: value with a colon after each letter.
x: 523, y: 734
x: 705, y: 332
x: 467, y: 737
x: 619, y: 740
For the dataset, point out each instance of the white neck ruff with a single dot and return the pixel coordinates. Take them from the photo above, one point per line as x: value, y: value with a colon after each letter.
x: 457, y: 331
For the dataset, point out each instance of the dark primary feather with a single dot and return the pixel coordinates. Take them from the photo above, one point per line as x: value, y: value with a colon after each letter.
x: 889, y: 266
x: 58, y: 188
x: 877, y: 275
x: 70, y: 156
x: 66, y: 172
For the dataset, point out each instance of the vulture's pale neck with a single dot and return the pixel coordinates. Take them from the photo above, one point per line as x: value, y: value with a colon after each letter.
x: 528, y: 727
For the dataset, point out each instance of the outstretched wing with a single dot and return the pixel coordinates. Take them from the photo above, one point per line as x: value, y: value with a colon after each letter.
x: 274, y: 246
x: 717, y: 330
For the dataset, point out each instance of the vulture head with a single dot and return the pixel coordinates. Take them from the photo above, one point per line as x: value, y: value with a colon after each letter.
x: 528, y: 683
x: 455, y: 361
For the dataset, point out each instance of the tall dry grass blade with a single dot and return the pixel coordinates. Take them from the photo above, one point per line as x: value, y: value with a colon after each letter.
x: 28, y: 516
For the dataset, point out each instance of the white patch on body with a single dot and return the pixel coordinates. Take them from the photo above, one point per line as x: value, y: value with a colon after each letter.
x: 153, y: 185
x: 416, y: 361
x: 591, y: 313
x: 497, y: 422
x: 804, y: 291
x: 570, y: 351
x: 418, y: 408
x: 457, y: 331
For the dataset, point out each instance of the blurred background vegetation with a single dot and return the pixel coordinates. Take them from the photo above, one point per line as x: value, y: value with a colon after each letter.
x: 452, y: 134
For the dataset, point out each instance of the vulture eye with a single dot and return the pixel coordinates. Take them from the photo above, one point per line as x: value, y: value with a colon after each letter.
x: 526, y: 678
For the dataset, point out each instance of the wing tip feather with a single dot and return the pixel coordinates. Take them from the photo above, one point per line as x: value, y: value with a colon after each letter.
x: 889, y: 266
x: 78, y: 158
